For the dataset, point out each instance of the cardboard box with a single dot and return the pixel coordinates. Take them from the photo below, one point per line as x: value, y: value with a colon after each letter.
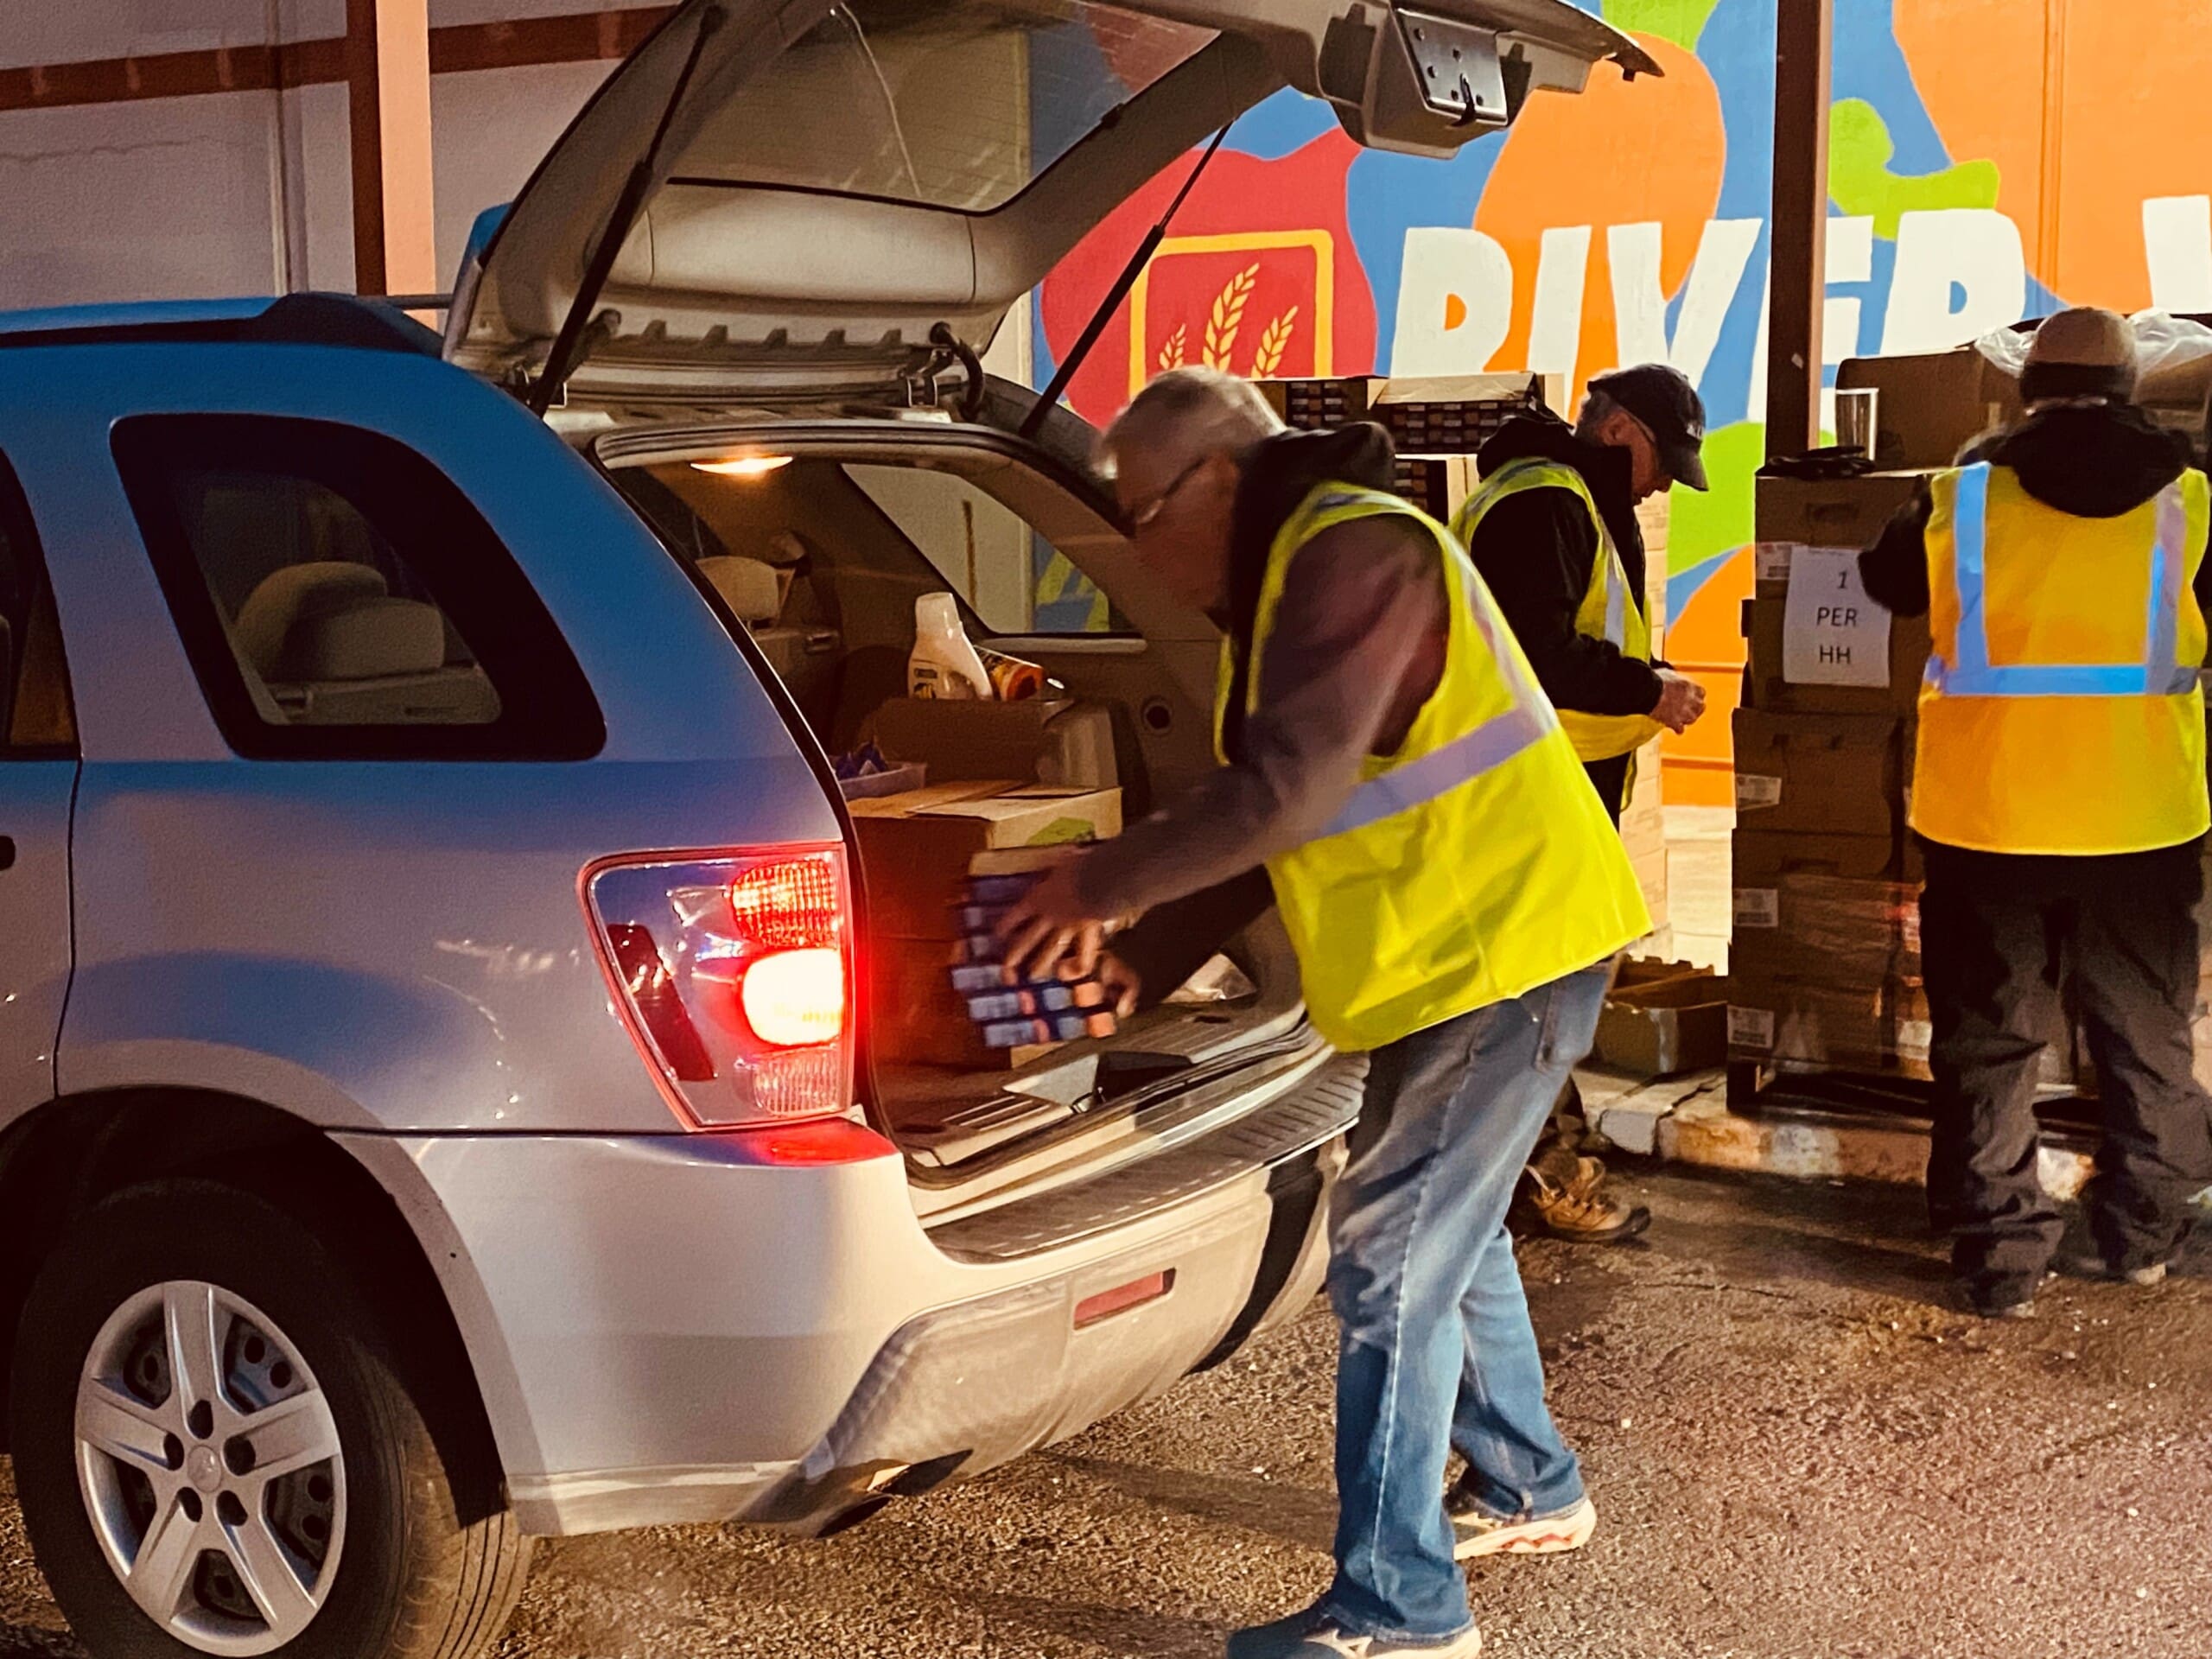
x: 1762, y: 857
x: 1661, y: 1028
x: 1822, y: 1027
x: 1932, y: 404
x: 1818, y: 774
x: 1823, y: 513
x: 966, y: 742
x: 1437, y: 484
x: 1766, y: 687
x: 1844, y: 935
x: 915, y: 847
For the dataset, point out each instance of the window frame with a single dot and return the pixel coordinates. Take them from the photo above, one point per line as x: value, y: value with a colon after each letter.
x: 548, y: 710
x: 19, y: 526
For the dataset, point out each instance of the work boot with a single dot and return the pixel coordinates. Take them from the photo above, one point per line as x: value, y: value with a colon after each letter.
x: 1313, y: 1635
x: 1582, y: 1210
x: 2007, y: 1298
x: 1475, y: 1531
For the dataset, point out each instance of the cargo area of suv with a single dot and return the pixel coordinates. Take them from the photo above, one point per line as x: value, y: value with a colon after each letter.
x: 817, y: 541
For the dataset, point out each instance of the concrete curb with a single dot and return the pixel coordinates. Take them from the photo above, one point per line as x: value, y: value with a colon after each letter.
x: 1687, y: 1121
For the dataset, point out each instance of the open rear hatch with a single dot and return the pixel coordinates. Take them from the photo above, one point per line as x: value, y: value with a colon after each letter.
x: 780, y: 193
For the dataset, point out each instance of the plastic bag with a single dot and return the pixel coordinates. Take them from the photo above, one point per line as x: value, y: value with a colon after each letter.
x: 2173, y: 355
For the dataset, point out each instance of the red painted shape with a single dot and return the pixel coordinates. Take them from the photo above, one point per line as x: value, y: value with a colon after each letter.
x: 1240, y: 196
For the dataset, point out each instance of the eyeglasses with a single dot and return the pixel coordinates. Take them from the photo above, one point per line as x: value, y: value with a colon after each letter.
x: 1143, y: 517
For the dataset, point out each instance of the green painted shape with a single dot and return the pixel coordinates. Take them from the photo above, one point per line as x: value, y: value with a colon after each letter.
x: 1861, y: 182
x: 1680, y: 21
x: 1701, y: 526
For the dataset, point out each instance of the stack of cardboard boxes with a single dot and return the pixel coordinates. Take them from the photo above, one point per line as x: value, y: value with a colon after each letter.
x: 1825, y: 959
x: 916, y: 847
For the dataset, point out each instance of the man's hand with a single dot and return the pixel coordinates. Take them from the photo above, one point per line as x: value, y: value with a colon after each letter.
x: 1050, y: 925
x: 1123, y: 982
x: 1682, y: 701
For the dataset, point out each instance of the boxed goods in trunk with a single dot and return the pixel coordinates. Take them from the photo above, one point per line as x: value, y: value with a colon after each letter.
x: 1051, y: 740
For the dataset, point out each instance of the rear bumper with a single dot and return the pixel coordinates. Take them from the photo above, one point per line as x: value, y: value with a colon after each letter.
x: 665, y: 1336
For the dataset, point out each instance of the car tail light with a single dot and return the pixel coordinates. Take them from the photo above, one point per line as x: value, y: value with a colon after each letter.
x: 733, y: 975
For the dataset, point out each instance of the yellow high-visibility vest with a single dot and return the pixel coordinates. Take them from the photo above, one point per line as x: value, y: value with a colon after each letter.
x: 1609, y: 611
x: 2062, y: 712
x: 1473, y: 865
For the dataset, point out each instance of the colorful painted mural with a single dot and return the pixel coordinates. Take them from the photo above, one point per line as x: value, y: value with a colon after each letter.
x: 1988, y: 157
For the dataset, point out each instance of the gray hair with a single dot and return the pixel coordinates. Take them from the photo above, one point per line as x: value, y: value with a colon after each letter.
x: 1597, y: 407
x: 1191, y: 412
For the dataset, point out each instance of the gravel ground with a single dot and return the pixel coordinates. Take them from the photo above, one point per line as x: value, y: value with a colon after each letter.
x: 1799, y: 1452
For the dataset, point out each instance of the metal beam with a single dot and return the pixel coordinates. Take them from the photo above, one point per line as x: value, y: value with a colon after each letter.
x: 387, y: 75
x: 1804, y: 43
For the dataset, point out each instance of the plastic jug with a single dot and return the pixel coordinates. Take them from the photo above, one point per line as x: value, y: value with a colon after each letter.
x: 944, y: 663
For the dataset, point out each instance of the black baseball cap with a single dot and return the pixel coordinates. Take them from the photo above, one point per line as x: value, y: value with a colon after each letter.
x: 1668, y: 404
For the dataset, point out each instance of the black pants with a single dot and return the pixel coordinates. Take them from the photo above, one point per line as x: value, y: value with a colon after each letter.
x: 1558, y: 1156
x: 1996, y: 933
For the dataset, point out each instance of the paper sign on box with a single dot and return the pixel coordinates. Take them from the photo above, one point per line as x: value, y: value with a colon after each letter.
x: 1832, y: 634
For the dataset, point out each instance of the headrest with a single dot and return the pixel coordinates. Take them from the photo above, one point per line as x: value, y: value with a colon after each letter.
x: 374, y: 639
x: 285, y: 597
x: 747, y: 587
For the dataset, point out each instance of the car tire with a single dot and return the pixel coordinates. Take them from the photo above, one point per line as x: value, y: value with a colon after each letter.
x: 420, y: 1556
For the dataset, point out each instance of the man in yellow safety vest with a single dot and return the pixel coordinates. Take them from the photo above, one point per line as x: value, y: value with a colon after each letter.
x: 1553, y: 530
x: 2060, y: 799
x: 1455, y: 896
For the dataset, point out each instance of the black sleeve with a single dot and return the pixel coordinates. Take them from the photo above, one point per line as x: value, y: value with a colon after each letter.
x: 1535, y: 550
x: 1895, y: 568
x: 2203, y: 589
x: 1173, y: 942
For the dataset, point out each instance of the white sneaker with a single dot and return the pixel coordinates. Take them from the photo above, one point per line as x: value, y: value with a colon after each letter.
x: 1475, y: 1531
x: 1312, y: 1635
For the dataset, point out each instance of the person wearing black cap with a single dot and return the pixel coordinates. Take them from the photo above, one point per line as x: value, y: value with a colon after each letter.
x: 2059, y: 798
x: 1553, y: 529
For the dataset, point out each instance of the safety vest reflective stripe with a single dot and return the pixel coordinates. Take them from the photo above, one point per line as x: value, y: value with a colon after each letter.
x: 1616, y: 604
x: 2159, y: 675
x: 1490, y: 746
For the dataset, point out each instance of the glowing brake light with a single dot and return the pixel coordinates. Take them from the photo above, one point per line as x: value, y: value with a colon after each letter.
x: 733, y: 973
x: 796, y: 999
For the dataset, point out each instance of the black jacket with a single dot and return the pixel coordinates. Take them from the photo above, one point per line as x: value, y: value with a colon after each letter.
x: 1536, y: 550
x: 2092, y: 461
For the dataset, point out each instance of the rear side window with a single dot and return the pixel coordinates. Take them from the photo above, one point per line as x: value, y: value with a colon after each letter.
x: 340, y: 598
x: 36, y: 718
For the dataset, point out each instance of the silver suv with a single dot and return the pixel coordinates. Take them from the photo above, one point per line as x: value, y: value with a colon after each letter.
x: 436, y: 1099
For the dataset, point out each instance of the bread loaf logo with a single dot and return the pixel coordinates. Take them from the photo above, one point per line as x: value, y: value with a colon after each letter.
x: 1236, y: 302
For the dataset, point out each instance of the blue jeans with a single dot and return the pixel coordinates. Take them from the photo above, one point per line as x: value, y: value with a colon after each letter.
x: 1435, y: 1348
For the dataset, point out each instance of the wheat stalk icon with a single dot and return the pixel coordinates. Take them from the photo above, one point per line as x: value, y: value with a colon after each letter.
x: 1274, y: 341
x: 1229, y: 317
x: 1171, y: 354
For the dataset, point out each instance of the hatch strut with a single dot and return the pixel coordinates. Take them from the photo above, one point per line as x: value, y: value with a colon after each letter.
x: 568, y: 346
x: 1115, y: 296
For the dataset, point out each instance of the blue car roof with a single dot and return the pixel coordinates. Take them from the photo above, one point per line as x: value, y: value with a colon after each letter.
x: 290, y: 319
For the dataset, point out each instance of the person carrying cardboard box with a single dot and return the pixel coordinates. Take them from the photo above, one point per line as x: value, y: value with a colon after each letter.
x: 1456, y: 896
x: 1553, y: 530
x: 2061, y: 805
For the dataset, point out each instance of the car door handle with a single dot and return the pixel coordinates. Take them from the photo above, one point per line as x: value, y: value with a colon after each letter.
x: 7, y: 852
